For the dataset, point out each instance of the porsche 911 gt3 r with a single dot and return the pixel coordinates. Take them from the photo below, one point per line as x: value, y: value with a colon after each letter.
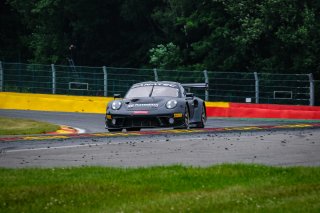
x: 156, y: 104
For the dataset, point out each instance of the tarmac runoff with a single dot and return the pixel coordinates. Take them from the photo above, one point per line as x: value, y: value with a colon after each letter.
x: 73, y: 133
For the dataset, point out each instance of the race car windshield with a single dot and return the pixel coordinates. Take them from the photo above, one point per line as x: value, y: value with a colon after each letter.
x: 159, y: 91
x: 152, y: 91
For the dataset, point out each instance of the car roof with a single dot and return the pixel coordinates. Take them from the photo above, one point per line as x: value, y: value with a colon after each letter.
x: 158, y: 82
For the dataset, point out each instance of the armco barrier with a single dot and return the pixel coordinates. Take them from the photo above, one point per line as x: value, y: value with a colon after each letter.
x: 86, y: 104
x: 238, y: 110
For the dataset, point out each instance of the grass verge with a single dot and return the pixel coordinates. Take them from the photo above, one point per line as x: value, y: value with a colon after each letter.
x: 222, y: 188
x: 17, y: 126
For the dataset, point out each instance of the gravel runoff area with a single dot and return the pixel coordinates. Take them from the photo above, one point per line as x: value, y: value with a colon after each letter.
x: 299, y: 147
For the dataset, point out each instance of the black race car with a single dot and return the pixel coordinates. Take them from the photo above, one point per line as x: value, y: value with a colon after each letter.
x: 156, y: 104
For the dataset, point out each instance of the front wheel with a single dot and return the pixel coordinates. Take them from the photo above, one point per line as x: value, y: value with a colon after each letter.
x: 186, y: 119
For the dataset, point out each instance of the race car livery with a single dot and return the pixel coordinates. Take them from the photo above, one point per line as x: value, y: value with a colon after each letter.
x: 156, y: 104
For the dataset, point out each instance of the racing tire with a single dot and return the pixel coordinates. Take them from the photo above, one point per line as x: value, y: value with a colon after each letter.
x: 203, y: 118
x: 186, y: 124
x: 133, y: 129
x: 114, y: 130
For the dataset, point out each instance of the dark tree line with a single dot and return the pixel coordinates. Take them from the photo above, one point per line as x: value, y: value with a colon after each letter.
x: 225, y: 35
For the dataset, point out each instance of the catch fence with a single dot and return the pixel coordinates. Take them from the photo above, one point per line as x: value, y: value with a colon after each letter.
x: 250, y: 87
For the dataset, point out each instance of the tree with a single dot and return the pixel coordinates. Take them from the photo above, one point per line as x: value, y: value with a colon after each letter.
x: 244, y: 35
x: 46, y: 25
x: 12, y: 34
x: 225, y: 35
x: 112, y: 33
x: 165, y: 56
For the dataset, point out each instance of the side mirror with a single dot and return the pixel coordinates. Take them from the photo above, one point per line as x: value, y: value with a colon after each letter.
x: 190, y: 95
x: 116, y: 96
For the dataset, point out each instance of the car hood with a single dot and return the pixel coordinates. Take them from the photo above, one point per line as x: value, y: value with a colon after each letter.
x: 149, y: 103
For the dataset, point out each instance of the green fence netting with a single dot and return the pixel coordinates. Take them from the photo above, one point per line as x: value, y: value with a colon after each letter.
x: 106, y: 81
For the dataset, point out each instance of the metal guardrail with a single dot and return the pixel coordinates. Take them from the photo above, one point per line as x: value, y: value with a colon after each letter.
x: 296, y: 89
x: 316, y: 93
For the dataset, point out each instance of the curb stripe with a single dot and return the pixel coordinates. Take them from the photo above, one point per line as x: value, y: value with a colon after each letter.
x: 160, y: 132
x: 66, y: 130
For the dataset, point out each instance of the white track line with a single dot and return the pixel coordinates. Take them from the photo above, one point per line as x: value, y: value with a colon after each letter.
x: 46, y: 148
x: 84, y: 145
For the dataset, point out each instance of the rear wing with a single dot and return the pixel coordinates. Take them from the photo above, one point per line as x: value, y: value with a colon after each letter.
x: 196, y: 85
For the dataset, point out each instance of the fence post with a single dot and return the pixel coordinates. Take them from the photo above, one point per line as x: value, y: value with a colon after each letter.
x: 206, y: 80
x: 1, y: 77
x: 105, y: 81
x: 156, y: 78
x: 256, y: 79
x: 53, y: 71
x: 311, y: 80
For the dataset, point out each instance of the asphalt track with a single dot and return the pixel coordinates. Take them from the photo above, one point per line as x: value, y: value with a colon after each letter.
x: 270, y: 142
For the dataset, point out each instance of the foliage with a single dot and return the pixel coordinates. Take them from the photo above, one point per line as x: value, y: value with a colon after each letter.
x: 233, y: 35
x: 226, y: 35
x: 112, y: 33
x: 165, y: 56
x: 12, y: 34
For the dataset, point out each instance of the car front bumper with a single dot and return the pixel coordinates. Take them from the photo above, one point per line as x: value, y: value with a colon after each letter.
x: 152, y: 120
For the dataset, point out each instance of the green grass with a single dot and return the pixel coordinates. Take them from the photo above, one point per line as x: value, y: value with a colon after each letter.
x: 16, y: 126
x: 222, y: 188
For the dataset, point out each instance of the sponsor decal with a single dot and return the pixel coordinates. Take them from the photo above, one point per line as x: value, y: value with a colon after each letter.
x: 143, y: 105
x: 177, y: 115
x: 141, y: 112
x: 155, y: 84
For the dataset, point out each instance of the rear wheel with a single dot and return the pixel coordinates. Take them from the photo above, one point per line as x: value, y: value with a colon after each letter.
x: 203, y: 118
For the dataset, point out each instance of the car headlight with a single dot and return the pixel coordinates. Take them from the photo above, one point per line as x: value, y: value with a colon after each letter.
x: 171, y: 104
x: 116, y: 105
